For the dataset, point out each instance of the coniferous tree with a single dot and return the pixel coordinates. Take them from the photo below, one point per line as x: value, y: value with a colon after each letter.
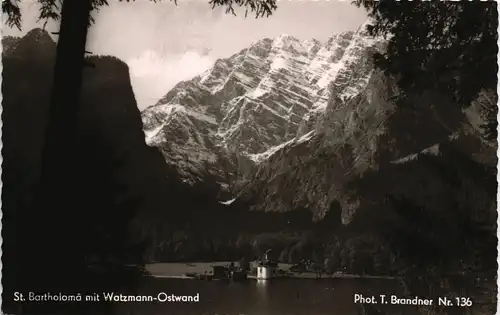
x: 444, y: 46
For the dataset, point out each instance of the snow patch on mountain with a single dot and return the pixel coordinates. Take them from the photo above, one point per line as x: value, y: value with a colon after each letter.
x: 432, y: 150
x: 228, y: 202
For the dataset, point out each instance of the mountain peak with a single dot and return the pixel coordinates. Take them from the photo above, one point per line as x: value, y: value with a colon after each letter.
x: 285, y: 41
x: 312, y: 41
x: 38, y: 35
x: 36, y: 43
x: 286, y: 37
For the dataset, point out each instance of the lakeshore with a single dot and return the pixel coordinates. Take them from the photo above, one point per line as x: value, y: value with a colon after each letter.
x: 180, y: 271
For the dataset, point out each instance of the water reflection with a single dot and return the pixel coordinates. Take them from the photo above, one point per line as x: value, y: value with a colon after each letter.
x: 262, y: 287
x: 262, y: 284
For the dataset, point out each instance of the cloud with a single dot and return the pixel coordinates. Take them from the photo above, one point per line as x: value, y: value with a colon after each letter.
x: 153, y: 74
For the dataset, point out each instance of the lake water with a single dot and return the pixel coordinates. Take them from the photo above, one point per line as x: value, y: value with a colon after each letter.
x: 272, y: 297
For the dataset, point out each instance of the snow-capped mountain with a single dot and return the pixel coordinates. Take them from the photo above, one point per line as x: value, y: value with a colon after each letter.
x: 248, y: 106
x: 288, y: 124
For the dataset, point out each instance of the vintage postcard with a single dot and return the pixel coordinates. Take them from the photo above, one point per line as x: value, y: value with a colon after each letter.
x: 249, y: 157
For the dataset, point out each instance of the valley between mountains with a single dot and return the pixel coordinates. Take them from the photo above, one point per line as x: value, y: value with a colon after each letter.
x: 292, y: 145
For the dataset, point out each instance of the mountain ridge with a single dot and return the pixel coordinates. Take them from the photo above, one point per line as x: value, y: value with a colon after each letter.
x: 250, y: 104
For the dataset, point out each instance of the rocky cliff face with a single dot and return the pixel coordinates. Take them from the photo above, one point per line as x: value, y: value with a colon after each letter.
x: 295, y: 124
x: 368, y: 137
x: 221, y: 124
x: 311, y: 171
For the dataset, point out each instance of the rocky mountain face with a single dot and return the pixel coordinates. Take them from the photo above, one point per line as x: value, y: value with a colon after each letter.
x: 288, y: 124
x: 367, y: 135
x: 221, y: 124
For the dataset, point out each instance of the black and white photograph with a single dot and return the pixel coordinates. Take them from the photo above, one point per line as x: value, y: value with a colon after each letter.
x: 249, y: 157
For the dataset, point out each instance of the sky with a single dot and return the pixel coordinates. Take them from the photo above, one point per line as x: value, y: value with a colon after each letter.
x: 164, y: 43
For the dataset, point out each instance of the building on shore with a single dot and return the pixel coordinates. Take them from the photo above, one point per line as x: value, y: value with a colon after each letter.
x: 265, y: 272
x: 267, y: 267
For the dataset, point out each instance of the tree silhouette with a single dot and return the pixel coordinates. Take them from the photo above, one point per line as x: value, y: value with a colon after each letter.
x: 78, y: 195
x: 444, y: 46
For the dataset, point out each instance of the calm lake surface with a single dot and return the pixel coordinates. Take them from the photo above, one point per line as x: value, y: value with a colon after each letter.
x: 272, y: 297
